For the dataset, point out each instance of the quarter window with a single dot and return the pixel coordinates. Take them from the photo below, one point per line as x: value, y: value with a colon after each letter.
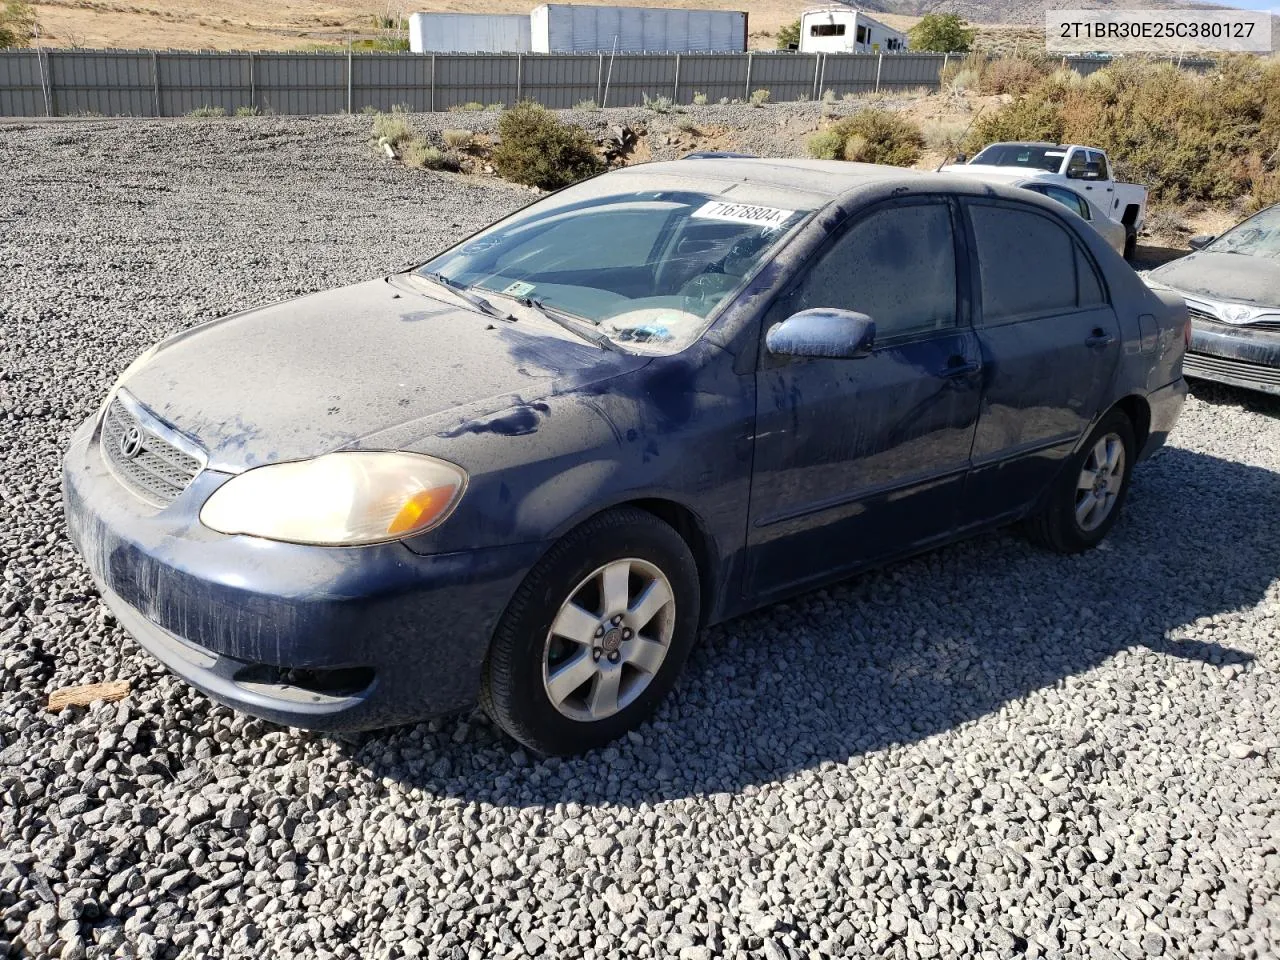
x: 1028, y: 266
x: 1091, y: 293
x: 896, y: 265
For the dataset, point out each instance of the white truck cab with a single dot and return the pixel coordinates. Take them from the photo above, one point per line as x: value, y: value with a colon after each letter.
x: 1084, y: 170
x: 845, y: 30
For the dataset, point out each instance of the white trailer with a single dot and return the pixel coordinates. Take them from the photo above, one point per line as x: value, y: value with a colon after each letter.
x: 845, y: 30
x: 569, y: 28
x: 468, y: 33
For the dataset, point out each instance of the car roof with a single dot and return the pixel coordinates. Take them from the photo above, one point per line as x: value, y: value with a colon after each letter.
x: 813, y: 182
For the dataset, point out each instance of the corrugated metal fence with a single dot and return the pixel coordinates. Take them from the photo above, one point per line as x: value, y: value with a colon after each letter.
x: 154, y: 83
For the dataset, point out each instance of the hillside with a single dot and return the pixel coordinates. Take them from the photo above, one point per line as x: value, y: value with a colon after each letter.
x: 295, y: 24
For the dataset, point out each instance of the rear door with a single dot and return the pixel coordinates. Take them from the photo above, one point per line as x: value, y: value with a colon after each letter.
x: 1050, y: 344
x: 1103, y: 193
x: 859, y: 459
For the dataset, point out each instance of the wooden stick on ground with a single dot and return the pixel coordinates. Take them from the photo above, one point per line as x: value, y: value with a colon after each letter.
x: 84, y: 695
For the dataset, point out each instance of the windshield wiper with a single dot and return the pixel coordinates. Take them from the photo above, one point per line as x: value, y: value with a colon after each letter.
x: 463, y: 292
x: 582, y: 328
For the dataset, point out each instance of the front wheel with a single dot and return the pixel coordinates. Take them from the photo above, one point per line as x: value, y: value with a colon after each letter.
x: 595, y: 636
x: 1086, y: 500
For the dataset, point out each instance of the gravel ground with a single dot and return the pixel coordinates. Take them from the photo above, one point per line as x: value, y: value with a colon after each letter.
x: 988, y: 751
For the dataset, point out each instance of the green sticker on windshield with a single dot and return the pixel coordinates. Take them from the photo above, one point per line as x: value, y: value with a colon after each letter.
x: 519, y: 289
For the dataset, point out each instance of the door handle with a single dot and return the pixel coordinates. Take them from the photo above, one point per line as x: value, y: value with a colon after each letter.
x: 1099, y: 338
x: 958, y: 366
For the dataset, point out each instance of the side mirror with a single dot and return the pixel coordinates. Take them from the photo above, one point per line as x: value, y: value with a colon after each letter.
x: 1201, y: 241
x: 962, y: 158
x: 822, y: 332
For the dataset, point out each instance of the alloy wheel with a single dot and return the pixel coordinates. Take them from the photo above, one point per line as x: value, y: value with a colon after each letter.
x: 1101, y: 479
x: 608, y: 640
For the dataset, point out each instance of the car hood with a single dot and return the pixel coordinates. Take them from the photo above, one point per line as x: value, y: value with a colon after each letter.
x: 323, y: 372
x: 1224, y: 276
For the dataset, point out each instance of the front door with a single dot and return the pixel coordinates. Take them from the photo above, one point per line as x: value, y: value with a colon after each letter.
x: 1050, y: 344
x: 860, y: 459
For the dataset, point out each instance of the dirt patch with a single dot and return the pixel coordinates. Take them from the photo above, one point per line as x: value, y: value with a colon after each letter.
x: 291, y: 24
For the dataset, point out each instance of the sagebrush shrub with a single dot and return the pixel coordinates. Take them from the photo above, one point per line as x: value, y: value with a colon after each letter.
x: 538, y: 150
x: 826, y: 145
x: 457, y: 139
x: 1213, y: 138
x: 870, y: 136
x: 392, y: 127
x: 417, y: 153
x: 1009, y: 75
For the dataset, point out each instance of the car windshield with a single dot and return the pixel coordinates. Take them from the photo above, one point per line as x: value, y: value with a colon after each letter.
x: 1259, y: 236
x: 647, y: 268
x: 1021, y: 155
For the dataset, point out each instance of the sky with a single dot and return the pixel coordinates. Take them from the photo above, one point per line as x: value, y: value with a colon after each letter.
x: 1269, y: 5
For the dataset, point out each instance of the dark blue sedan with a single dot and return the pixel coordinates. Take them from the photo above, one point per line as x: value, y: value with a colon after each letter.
x: 528, y: 471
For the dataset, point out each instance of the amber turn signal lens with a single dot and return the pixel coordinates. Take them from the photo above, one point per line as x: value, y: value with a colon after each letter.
x: 421, y: 510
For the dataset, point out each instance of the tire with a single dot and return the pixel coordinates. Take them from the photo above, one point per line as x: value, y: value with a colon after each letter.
x: 542, y: 650
x: 1060, y: 526
x: 1130, y: 244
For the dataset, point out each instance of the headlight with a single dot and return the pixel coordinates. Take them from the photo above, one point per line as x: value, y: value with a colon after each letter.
x: 338, y: 499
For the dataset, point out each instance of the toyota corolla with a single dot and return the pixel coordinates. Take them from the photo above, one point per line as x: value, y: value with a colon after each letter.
x: 530, y: 470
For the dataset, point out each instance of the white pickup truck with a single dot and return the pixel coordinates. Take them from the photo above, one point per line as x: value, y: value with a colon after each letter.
x: 1084, y: 170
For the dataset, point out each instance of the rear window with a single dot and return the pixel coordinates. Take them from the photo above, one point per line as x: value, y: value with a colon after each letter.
x: 1022, y: 156
x: 827, y: 30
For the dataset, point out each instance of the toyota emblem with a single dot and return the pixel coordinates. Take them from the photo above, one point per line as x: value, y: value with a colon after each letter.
x: 131, y: 443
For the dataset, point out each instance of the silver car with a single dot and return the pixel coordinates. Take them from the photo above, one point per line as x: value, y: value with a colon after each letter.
x: 1232, y: 287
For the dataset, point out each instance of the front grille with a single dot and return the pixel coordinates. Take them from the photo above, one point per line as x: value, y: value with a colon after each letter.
x: 158, y: 471
x: 1202, y: 365
x: 1204, y: 316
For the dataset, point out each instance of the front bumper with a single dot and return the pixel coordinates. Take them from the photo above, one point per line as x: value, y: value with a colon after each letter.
x: 1241, y: 356
x: 319, y: 637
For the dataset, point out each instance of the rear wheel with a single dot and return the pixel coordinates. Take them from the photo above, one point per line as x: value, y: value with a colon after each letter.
x: 1087, y: 498
x: 1130, y: 243
x: 595, y: 636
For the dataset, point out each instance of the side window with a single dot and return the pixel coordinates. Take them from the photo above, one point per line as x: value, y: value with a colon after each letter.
x: 1071, y: 200
x: 1064, y: 197
x: 1026, y: 263
x: 897, y: 265
x: 1101, y: 158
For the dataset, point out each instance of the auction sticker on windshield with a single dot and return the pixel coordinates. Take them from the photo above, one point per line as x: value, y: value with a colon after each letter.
x: 742, y: 213
x: 519, y: 289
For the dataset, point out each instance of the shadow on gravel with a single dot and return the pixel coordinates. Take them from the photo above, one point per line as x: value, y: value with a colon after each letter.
x: 1221, y: 394
x: 900, y: 655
